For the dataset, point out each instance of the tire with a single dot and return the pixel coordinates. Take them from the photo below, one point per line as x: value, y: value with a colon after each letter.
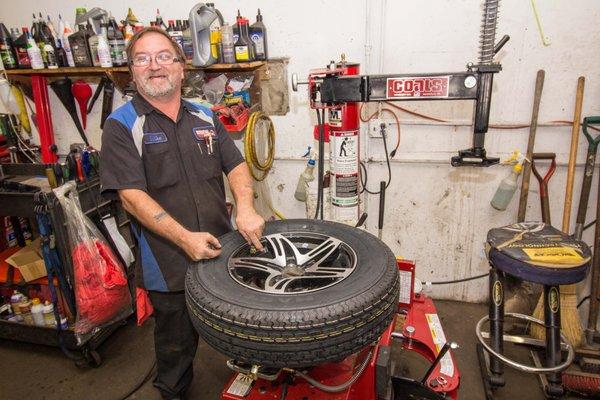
x: 294, y: 329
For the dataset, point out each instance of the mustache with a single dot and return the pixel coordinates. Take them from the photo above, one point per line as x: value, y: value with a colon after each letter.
x: 155, y: 74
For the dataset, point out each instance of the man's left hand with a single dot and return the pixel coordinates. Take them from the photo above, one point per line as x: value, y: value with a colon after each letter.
x: 251, y: 226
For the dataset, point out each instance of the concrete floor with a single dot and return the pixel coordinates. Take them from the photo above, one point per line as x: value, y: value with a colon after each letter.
x: 38, y: 372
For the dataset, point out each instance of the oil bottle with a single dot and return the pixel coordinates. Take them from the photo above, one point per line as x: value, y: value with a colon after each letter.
x: 79, y: 47
x: 116, y: 42
x: 215, y: 32
x: 20, y: 46
x: 258, y: 34
x: 202, y: 18
x: 6, y: 49
x: 244, y: 48
x: 188, y: 47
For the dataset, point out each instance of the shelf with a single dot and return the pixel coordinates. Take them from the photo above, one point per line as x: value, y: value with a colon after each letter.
x: 249, y: 66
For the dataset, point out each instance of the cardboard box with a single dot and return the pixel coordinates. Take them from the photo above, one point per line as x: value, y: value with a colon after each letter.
x: 29, y: 261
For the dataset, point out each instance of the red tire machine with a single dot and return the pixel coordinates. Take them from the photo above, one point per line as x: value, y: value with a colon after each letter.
x: 367, y: 375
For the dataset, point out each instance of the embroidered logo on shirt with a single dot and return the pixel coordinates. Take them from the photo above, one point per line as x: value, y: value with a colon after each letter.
x: 154, y: 138
x: 201, y: 134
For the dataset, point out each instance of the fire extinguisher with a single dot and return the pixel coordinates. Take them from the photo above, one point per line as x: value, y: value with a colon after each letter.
x: 344, y: 126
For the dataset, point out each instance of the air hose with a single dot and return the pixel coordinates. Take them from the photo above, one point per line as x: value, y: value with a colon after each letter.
x: 256, y: 143
x: 258, y: 169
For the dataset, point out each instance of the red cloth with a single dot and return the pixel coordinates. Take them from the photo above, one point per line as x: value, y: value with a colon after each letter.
x: 101, y: 288
x: 144, y: 307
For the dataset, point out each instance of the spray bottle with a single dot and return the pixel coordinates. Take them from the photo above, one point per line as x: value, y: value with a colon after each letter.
x: 508, y: 185
x: 305, y: 177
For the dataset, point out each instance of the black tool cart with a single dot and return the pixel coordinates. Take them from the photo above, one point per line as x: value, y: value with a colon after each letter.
x: 18, y: 198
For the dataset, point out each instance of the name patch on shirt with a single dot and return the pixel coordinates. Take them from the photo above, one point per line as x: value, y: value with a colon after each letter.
x: 154, y: 138
x: 203, y: 133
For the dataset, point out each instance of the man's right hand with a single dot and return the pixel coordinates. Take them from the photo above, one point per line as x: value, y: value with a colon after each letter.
x: 200, y: 245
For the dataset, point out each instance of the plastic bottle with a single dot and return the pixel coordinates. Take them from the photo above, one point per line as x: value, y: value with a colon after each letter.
x: 127, y: 33
x: 243, y: 47
x: 79, y: 47
x: 61, y: 55
x: 159, y: 22
x: 37, y: 312
x: 202, y: 18
x: 236, y: 27
x: 48, y: 313
x: 176, y: 35
x: 20, y: 46
x: 227, y: 44
x: 80, y: 16
x: 52, y: 31
x: 51, y: 59
x: 507, y: 189
x: 258, y: 34
x: 305, y: 177
x: 103, y: 50
x: 65, y: 32
x: 34, y: 53
x: 215, y: 31
x: 25, y: 308
x: 116, y: 41
x: 15, y: 300
x: 6, y: 49
x: 93, y: 44
x: 188, y: 47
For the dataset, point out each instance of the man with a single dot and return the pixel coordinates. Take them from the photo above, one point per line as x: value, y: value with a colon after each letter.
x: 165, y: 159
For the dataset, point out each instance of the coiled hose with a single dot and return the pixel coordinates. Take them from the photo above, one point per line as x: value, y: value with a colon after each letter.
x: 255, y: 143
x: 258, y: 169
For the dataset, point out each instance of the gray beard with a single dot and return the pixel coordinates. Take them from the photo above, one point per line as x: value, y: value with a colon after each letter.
x: 152, y: 91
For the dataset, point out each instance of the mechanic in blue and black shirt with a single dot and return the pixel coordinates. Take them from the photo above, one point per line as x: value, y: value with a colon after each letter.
x: 165, y: 157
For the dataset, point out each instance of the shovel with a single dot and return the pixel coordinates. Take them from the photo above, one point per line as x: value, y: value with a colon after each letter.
x: 62, y: 88
x: 545, y: 203
x: 587, y: 176
x: 82, y: 93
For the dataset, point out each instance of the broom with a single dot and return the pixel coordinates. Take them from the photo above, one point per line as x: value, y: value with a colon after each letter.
x: 569, y: 319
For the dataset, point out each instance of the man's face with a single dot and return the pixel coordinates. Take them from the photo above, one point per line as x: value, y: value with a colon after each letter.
x: 155, y: 80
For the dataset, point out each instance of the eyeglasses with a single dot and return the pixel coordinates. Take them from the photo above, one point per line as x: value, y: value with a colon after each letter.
x: 143, y: 60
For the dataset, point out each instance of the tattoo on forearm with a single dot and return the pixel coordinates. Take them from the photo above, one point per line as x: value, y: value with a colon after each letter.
x: 161, y: 215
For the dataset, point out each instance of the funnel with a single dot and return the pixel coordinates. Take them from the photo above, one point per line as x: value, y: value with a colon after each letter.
x: 62, y: 88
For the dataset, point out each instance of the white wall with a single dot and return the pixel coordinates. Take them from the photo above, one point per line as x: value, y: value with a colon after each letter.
x: 436, y: 214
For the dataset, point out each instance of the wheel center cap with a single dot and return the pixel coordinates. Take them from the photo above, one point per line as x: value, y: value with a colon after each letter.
x: 292, y: 270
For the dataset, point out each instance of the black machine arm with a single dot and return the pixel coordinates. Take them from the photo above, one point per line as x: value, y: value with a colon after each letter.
x: 473, y: 84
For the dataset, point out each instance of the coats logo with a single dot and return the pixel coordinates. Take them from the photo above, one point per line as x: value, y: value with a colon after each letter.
x: 553, y: 300
x: 497, y: 294
x: 202, y: 134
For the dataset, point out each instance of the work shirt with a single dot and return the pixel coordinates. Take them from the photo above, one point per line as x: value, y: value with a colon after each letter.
x: 176, y: 164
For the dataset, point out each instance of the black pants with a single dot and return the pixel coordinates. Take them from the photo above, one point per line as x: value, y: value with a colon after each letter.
x: 175, y: 343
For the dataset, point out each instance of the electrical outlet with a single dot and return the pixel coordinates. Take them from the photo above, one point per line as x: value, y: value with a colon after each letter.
x: 375, y: 126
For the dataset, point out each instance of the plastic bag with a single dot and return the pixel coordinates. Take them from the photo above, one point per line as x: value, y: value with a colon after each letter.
x: 101, y: 289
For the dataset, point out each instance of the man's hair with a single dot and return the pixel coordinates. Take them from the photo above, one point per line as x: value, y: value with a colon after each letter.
x: 152, y: 29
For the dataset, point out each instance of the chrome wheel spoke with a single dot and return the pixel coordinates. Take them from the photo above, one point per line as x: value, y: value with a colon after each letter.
x: 293, y: 263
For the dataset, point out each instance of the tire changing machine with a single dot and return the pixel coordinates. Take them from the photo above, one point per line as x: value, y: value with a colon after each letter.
x: 366, y: 375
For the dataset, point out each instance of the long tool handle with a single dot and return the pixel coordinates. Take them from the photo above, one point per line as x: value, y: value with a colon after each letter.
x: 539, y: 85
x: 573, y: 155
x: 381, y: 209
x: 585, y: 190
x: 543, y: 181
x: 595, y: 288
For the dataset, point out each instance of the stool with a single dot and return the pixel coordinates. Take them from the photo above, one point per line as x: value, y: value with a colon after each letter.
x: 534, y: 252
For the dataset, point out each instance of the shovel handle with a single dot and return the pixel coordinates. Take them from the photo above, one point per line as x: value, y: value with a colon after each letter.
x: 591, y: 121
x: 543, y: 181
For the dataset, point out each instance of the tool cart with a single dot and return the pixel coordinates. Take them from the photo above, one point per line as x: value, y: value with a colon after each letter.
x: 23, y: 193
